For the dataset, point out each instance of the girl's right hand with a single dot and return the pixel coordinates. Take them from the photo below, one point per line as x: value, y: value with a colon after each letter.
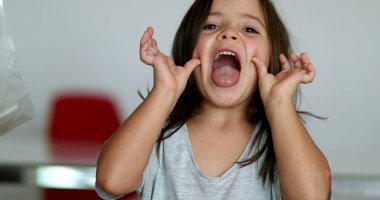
x: 168, y: 77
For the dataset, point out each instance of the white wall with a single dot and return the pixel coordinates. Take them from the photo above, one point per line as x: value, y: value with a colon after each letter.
x: 93, y: 44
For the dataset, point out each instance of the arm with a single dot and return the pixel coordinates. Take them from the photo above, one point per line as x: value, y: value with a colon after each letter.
x: 125, y: 155
x: 303, y: 169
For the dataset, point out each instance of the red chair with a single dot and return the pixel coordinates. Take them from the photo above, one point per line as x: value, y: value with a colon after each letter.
x: 72, y: 194
x: 65, y: 194
x: 80, y: 124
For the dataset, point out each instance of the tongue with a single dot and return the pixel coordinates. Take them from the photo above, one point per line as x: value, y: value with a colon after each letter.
x: 225, y: 75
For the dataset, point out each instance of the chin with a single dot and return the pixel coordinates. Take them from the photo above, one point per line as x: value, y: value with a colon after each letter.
x: 226, y: 101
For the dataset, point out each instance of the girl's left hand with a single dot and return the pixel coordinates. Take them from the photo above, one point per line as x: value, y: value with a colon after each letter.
x: 282, y: 86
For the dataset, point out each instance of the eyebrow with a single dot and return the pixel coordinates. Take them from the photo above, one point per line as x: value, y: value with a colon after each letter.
x: 244, y: 15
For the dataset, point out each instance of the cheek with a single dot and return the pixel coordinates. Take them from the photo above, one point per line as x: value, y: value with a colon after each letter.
x: 265, y: 54
x: 200, y: 47
x: 262, y: 51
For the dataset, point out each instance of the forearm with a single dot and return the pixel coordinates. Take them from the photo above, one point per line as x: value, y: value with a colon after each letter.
x: 303, y: 169
x: 124, y: 157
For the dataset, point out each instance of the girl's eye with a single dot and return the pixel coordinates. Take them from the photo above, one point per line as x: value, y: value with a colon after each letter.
x: 250, y: 30
x: 210, y: 27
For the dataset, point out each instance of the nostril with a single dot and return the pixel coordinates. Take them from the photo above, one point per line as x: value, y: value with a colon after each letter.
x: 229, y: 36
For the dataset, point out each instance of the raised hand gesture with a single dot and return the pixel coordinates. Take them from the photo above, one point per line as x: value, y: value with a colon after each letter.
x: 168, y: 77
x: 282, y: 86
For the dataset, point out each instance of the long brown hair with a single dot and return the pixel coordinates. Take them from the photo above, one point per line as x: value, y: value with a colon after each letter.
x: 190, y: 100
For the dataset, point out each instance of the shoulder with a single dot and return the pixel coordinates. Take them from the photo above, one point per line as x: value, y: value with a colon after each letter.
x: 175, y: 134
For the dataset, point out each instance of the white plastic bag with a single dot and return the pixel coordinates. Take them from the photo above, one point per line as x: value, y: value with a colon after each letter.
x: 15, y: 104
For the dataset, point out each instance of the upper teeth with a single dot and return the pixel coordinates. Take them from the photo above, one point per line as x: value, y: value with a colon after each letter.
x: 225, y: 53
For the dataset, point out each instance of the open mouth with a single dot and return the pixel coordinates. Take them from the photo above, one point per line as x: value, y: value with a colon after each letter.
x: 226, y: 69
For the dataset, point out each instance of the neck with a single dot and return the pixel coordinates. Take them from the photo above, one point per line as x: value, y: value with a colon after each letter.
x: 220, y: 117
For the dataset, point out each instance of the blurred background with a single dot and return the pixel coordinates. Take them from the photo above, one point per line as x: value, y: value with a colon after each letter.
x: 91, y: 47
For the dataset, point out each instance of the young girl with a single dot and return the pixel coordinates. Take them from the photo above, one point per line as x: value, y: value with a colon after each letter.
x: 220, y: 121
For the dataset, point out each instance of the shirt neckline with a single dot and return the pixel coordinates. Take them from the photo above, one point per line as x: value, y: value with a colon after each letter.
x: 229, y: 170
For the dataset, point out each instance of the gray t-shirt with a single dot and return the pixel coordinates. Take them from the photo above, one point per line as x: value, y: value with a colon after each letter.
x: 176, y: 175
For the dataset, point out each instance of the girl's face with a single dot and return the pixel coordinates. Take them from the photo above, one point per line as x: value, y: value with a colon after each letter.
x: 232, y: 35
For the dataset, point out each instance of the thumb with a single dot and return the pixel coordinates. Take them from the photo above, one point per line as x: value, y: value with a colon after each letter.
x: 191, y: 65
x: 262, y: 70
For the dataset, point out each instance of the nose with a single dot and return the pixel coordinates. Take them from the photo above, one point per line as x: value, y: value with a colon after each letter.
x: 228, y: 34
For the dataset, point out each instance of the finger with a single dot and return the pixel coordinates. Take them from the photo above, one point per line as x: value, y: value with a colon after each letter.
x: 150, y: 30
x: 305, y: 61
x: 145, y: 37
x: 150, y: 47
x: 191, y: 65
x: 153, y: 46
x: 284, y: 62
x: 296, y: 61
x: 148, y: 34
x: 154, y: 43
x: 143, y: 50
x: 305, y: 58
x: 147, y: 54
x: 309, y: 74
x: 262, y: 70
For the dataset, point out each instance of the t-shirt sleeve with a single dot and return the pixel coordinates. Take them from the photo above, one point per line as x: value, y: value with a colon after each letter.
x: 103, y: 194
